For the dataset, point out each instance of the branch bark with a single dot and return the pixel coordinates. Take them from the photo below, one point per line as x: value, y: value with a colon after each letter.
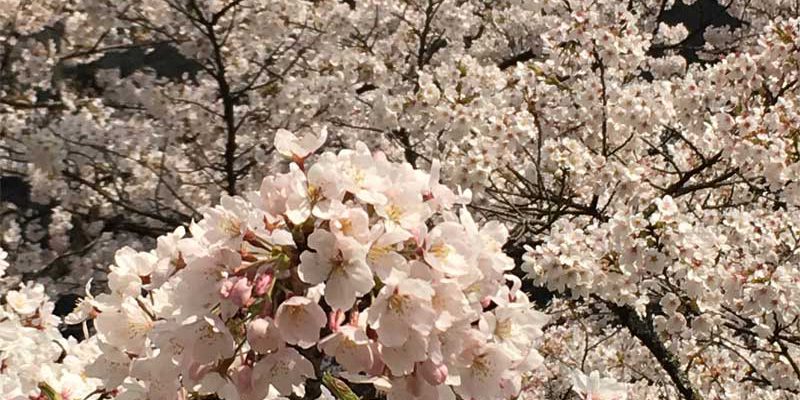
x: 642, y: 329
x: 526, y: 55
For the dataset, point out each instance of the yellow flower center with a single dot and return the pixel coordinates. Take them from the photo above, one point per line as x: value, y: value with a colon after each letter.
x: 138, y: 328
x: 394, y: 213
x: 346, y: 226
x: 376, y: 252
x: 296, y: 311
x: 337, y: 266
x: 481, y: 365
x: 398, y: 303
x: 503, y: 328
x: 440, y: 251
x: 348, y: 344
x: 231, y: 226
x: 313, y: 192
x: 279, y: 369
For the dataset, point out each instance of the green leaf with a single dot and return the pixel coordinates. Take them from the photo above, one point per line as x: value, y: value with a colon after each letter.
x: 338, y: 388
x: 49, y: 391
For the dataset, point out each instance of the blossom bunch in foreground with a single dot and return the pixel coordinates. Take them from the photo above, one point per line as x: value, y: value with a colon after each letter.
x: 35, y: 360
x: 352, y: 265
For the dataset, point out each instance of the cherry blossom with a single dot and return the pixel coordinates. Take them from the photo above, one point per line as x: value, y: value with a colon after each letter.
x: 593, y: 387
x: 623, y: 167
x: 239, y: 310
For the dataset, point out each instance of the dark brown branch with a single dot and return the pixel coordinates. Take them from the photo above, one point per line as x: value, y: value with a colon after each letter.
x: 643, y: 330
x: 677, y: 186
x: 526, y: 55
x: 226, y: 95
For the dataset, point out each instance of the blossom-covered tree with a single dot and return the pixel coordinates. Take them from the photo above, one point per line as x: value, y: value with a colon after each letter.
x: 643, y: 156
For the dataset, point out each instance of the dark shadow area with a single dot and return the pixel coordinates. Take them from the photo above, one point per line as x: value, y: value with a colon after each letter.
x: 696, y: 18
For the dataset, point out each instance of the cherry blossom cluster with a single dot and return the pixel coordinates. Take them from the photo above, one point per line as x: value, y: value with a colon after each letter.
x: 351, y: 265
x: 36, y: 362
x: 687, y: 233
x: 650, y: 166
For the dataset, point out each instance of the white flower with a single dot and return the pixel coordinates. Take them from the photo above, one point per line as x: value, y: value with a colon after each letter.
x: 670, y: 303
x: 113, y: 366
x: 263, y: 335
x: 208, y: 339
x: 291, y: 146
x: 447, y: 250
x: 27, y: 299
x: 414, y: 387
x: 195, y: 289
x: 345, y: 221
x: 514, y: 327
x: 350, y: 346
x: 225, y: 224
x: 352, y: 171
x: 401, y: 359
x: 404, y: 207
x: 130, y: 266
x: 399, y: 309
x: 341, y: 264
x: 382, y: 255
x: 593, y: 387
x: 299, y: 196
x: 226, y: 311
x: 130, y: 261
x: 450, y: 305
x: 84, y: 309
x: 667, y: 208
x: 299, y: 320
x: 489, y: 241
x: 169, y: 256
x: 159, y: 375
x: 125, y: 326
x: 481, y: 376
x: 286, y: 370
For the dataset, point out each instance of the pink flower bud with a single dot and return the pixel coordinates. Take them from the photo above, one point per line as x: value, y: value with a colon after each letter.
x: 435, y: 374
x: 238, y: 291
x: 262, y: 283
x: 335, y: 318
x: 486, y: 302
x: 354, y: 317
x: 225, y: 289
x: 377, y: 363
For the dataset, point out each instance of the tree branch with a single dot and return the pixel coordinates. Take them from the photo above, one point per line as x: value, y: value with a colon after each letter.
x: 643, y: 330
